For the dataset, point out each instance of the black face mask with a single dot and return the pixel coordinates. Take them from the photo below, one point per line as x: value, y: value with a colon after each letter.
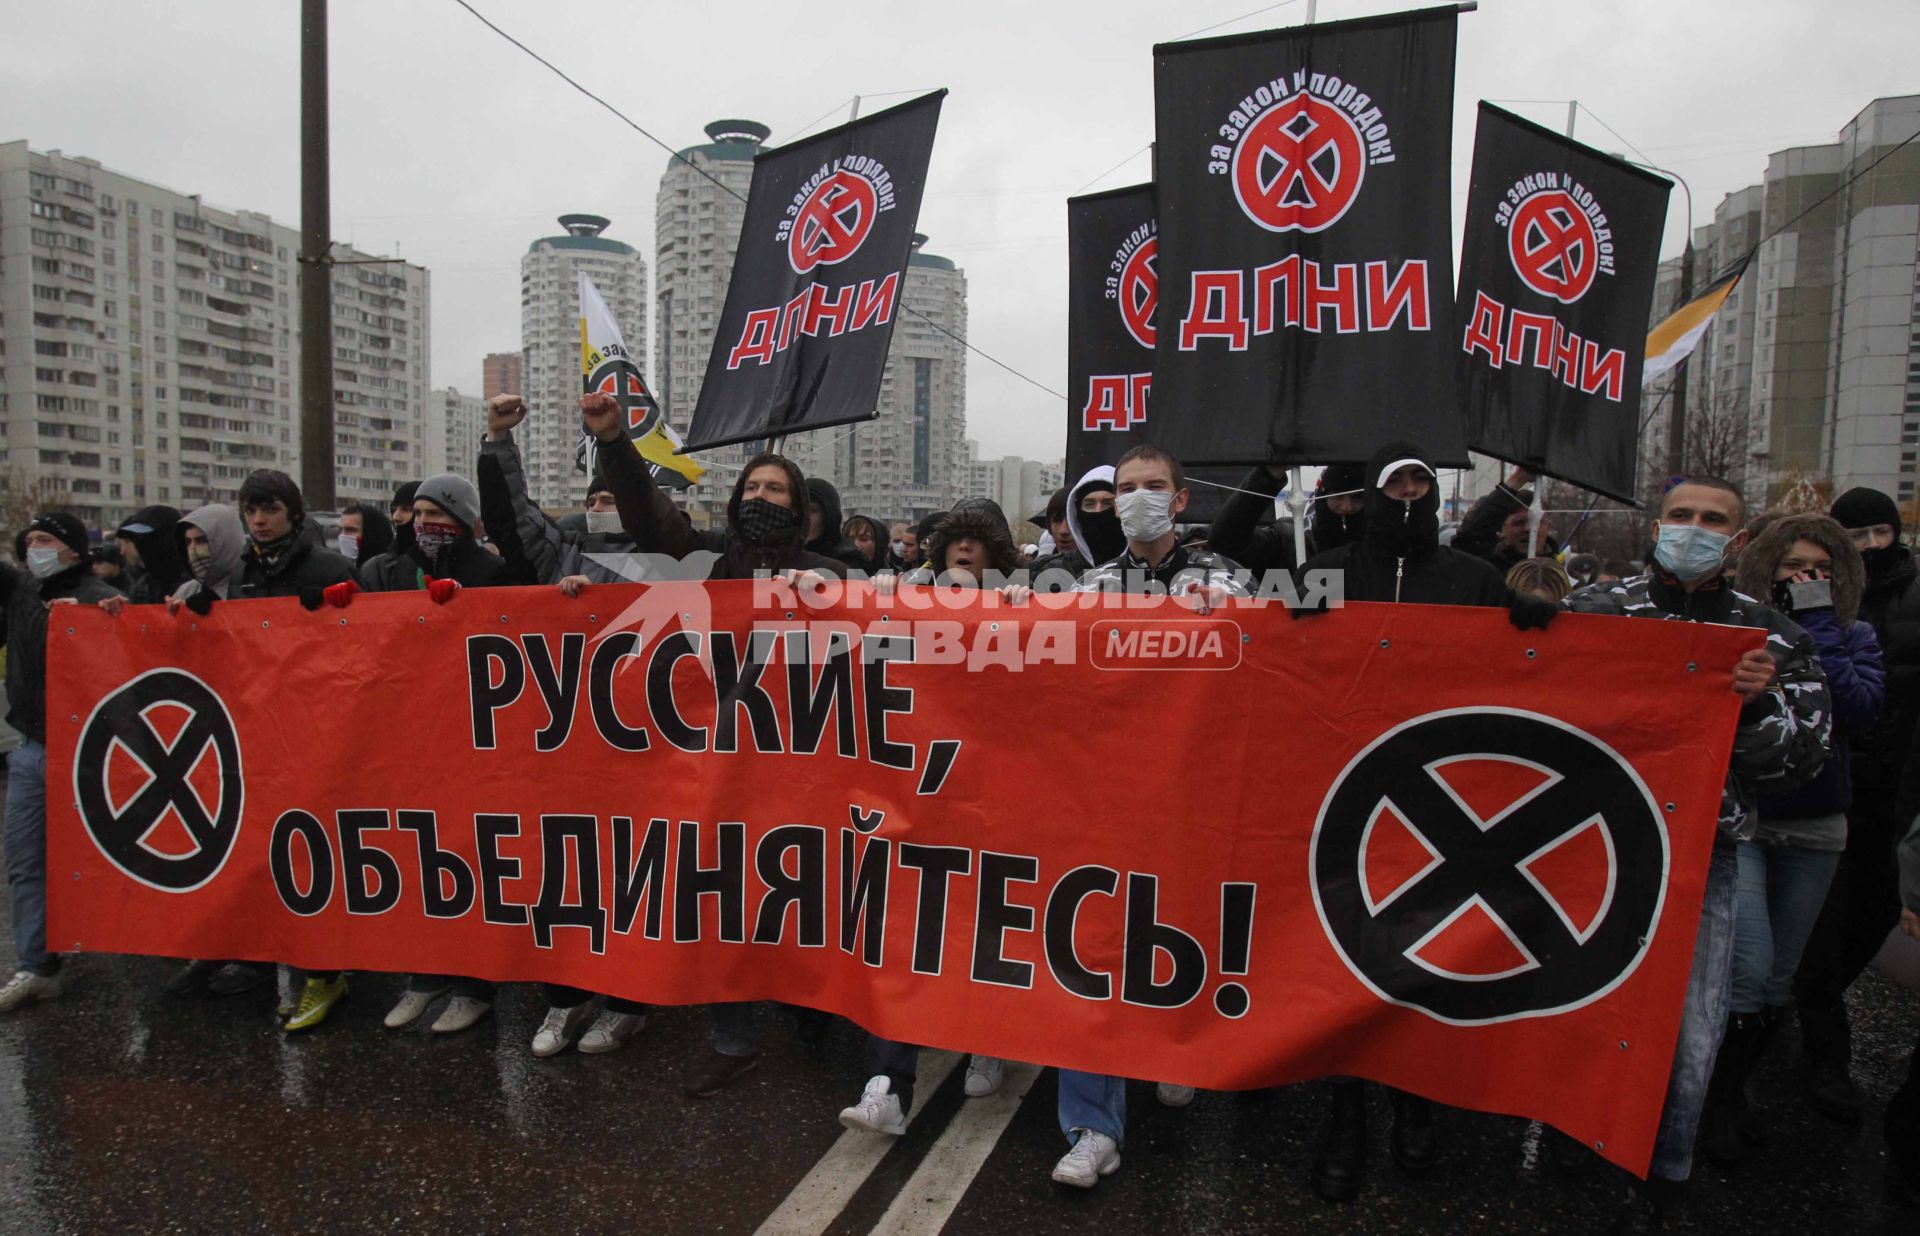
x: 1103, y: 536
x: 1881, y: 563
x: 761, y: 521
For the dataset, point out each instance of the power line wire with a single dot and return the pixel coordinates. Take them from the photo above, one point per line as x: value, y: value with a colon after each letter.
x: 730, y: 190
x: 1110, y: 171
x: 1595, y: 116
x: 1216, y: 25
x: 1838, y: 189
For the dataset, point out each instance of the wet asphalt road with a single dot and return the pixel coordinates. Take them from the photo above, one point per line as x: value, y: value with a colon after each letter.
x: 122, y: 1109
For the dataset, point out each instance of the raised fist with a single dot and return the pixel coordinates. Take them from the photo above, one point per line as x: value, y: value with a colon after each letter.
x: 504, y: 412
x: 601, y: 415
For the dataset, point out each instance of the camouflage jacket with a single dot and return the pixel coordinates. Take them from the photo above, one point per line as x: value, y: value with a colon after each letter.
x: 1783, y: 734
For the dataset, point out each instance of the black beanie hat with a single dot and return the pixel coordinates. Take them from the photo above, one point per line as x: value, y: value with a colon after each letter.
x: 597, y: 484
x: 403, y: 496
x: 1863, y: 508
x: 72, y: 533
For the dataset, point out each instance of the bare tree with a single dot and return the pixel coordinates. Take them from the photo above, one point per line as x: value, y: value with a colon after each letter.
x: 21, y: 500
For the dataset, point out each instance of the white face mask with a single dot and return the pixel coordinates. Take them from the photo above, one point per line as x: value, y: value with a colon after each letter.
x: 900, y: 549
x: 44, y: 562
x: 349, y: 547
x: 1145, y: 514
x: 603, y: 521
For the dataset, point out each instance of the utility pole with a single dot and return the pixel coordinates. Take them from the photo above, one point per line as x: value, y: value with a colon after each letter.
x: 316, y: 265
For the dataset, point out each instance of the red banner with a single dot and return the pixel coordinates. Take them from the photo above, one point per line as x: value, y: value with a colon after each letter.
x: 1407, y: 843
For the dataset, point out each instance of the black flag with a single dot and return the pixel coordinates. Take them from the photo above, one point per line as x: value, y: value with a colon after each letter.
x: 1306, y: 255
x: 1113, y: 289
x: 1556, y: 282
x: 817, y: 279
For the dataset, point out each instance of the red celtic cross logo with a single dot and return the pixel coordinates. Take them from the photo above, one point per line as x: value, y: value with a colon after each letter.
x: 1553, y: 247
x: 1299, y: 166
x: 832, y: 222
x: 1140, y: 292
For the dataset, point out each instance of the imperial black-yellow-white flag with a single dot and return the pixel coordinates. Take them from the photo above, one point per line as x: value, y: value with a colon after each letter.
x: 608, y: 368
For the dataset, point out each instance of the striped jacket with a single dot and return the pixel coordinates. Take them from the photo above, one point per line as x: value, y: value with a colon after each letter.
x: 1182, y: 569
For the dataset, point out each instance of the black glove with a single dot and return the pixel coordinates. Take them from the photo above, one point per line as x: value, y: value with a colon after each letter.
x: 312, y: 598
x: 1530, y: 613
x: 201, y: 602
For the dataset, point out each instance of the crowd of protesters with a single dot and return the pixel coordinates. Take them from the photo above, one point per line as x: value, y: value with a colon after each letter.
x: 1817, y: 857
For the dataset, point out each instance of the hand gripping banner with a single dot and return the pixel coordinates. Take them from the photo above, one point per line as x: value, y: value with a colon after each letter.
x: 817, y: 279
x: 1306, y: 252
x: 1228, y: 851
x: 1113, y: 290
x: 1556, y: 282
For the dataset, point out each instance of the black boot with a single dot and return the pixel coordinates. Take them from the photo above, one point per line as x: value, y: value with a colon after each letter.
x: 1727, y: 1116
x: 1412, y: 1142
x: 1826, y: 1043
x: 1342, y: 1161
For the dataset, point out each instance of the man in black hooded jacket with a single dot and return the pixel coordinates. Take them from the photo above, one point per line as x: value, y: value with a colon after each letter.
x: 1399, y: 558
x: 765, y: 534
x: 766, y: 514
x: 147, y: 547
x: 1863, y: 903
x: 1238, y: 533
x: 824, y: 524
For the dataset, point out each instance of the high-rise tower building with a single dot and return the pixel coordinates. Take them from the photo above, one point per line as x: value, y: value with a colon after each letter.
x: 697, y: 220
x: 550, y: 341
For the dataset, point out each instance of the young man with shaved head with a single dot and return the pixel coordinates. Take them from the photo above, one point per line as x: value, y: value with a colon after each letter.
x: 1781, y: 742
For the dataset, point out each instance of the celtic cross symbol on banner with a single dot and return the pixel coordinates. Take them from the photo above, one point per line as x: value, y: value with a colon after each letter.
x: 1553, y: 246
x: 1299, y: 166
x: 1530, y: 869
x: 832, y: 222
x: 158, y: 753
x: 1140, y: 292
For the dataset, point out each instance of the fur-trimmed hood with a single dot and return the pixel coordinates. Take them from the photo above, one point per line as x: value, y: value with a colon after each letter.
x: 975, y: 522
x: 1758, y: 561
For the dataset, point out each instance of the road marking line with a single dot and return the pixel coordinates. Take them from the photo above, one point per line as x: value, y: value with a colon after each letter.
x: 824, y: 1192
x: 933, y: 1192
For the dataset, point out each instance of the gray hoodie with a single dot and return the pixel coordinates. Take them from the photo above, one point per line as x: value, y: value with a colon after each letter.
x: 225, y: 537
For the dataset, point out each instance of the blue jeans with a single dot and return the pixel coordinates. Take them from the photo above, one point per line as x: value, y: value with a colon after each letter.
x: 26, y: 845
x: 1782, y: 888
x: 900, y: 1062
x: 1093, y: 1101
x: 1703, y: 1020
x: 734, y: 1031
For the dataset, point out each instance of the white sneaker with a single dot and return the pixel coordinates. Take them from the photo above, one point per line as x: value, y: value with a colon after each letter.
x: 25, y: 987
x: 461, y: 1012
x: 1093, y: 1156
x: 559, y: 1028
x: 983, y: 1075
x: 611, y: 1031
x: 878, y: 1110
x: 1171, y: 1095
x: 410, y: 1005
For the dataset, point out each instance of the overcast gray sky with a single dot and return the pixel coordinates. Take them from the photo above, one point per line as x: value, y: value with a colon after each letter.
x: 456, y: 150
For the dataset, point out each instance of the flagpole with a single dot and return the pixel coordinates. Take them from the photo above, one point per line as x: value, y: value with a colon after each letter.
x: 1296, y: 482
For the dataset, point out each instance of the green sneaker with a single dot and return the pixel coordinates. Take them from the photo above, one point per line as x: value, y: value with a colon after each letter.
x: 317, y: 999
